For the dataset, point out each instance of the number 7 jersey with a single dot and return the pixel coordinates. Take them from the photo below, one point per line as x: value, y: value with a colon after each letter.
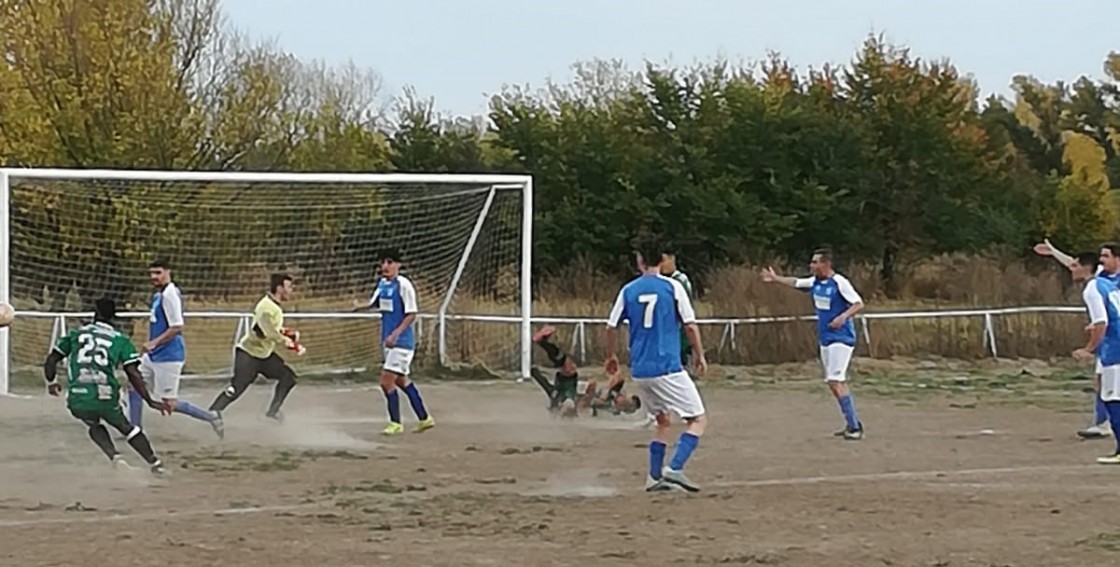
x: 93, y: 353
x: 655, y: 306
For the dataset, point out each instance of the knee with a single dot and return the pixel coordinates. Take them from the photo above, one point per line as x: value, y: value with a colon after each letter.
x: 697, y: 425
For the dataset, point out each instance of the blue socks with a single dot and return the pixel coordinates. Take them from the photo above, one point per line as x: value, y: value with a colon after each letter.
x: 1113, y: 409
x: 1100, y: 411
x: 416, y: 401
x: 187, y: 408
x: 394, y: 400
x: 656, y: 459
x: 135, y: 407
x: 685, y: 446
x: 848, y: 408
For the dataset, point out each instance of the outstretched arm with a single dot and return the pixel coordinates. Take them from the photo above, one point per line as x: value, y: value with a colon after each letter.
x: 50, y: 371
x: 769, y: 275
x: 1045, y: 248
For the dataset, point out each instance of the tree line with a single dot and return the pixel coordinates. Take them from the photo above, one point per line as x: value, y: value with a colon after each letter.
x: 888, y: 158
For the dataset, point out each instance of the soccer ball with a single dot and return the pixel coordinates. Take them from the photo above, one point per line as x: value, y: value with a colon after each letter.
x: 7, y: 314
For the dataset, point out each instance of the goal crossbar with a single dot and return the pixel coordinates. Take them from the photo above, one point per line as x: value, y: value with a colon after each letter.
x: 496, y: 182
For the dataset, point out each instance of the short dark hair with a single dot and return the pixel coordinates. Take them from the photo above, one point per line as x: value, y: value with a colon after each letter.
x: 824, y: 253
x: 160, y: 263
x: 277, y: 280
x: 105, y: 309
x: 1112, y: 247
x: 650, y: 252
x: 390, y: 253
x: 1088, y: 259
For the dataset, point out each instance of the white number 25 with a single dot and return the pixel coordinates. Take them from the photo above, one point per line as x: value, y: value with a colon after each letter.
x: 650, y: 302
x: 93, y: 349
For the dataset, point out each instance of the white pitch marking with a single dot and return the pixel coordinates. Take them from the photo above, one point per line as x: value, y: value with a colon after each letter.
x: 92, y: 518
x: 898, y: 475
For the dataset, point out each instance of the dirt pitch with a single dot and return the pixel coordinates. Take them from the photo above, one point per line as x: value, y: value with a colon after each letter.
x: 937, y: 482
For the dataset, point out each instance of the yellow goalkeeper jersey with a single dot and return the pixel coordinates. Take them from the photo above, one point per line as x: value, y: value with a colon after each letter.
x: 263, y: 338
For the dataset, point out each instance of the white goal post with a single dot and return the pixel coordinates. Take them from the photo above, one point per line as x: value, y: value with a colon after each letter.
x: 68, y: 235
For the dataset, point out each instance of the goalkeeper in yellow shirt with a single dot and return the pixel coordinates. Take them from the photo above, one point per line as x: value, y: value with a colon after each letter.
x: 256, y: 352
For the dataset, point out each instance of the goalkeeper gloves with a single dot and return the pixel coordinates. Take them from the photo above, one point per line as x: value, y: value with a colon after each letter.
x: 292, y: 341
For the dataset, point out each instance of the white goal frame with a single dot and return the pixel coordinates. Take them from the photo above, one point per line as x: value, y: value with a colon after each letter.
x: 494, y: 181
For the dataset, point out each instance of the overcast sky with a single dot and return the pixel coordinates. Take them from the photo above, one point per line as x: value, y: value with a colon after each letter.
x: 459, y: 51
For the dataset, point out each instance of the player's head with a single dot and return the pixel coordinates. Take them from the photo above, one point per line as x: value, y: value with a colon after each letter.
x: 1084, y: 266
x: 390, y: 262
x: 1110, y: 257
x: 668, y: 260
x: 104, y: 310
x: 280, y: 286
x: 160, y: 272
x: 821, y: 263
x: 649, y: 256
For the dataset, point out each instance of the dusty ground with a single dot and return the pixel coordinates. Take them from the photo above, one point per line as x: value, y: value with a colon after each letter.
x: 958, y: 469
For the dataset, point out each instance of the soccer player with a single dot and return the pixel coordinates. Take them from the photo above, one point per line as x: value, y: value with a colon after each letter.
x: 836, y: 302
x: 164, y: 353
x: 95, y: 351
x: 669, y: 268
x: 1110, y: 270
x: 256, y: 352
x: 395, y: 298
x: 1102, y: 301
x: 563, y: 390
x: 655, y: 307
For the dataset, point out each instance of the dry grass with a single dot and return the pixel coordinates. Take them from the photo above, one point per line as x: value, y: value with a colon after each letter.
x: 940, y: 284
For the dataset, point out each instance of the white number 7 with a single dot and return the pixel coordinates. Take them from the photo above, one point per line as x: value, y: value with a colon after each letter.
x: 650, y: 301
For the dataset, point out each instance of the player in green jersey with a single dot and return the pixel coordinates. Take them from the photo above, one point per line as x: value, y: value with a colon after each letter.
x: 669, y: 269
x: 94, y: 352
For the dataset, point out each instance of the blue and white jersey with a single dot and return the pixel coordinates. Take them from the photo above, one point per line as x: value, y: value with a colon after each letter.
x: 831, y: 297
x: 1102, y: 300
x: 395, y: 299
x: 1114, y: 278
x: 655, y: 306
x: 167, y: 312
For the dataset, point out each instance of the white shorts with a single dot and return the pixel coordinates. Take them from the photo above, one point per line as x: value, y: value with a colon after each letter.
x: 398, y: 360
x: 162, y: 378
x: 672, y: 393
x: 834, y: 360
x: 1110, y: 383
x: 1099, y: 367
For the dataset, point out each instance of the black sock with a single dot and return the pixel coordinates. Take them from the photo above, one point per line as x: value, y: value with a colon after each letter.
x: 101, y: 438
x: 554, y: 355
x: 224, y: 399
x: 142, y: 446
x: 283, y: 387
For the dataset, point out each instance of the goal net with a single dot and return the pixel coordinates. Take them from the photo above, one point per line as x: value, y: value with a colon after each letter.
x: 68, y: 237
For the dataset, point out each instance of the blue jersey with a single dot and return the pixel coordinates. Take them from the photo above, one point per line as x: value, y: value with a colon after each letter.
x: 167, y: 312
x: 1114, y: 278
x: 395, y: 299
x: 831, y: 297
x: 1102, y: 299
x: 655, y: 306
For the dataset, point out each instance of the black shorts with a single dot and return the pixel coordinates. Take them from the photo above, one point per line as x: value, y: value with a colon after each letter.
x: 110, y: 414
x: 247, y: 367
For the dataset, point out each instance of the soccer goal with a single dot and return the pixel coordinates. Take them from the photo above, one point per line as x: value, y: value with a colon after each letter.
x: 68, y: 237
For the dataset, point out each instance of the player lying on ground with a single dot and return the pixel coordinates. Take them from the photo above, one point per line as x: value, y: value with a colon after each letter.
x: 93, y: 392
x: 563, y: 398
x: 655, y: 307
x: 1102, y: 301
x: 1110, y: 270
x: 164, y: 354
x: 836, y: 302
x: 396, y: 299
x: 256, y: 352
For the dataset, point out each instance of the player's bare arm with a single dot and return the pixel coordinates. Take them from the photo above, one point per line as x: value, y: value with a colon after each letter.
x: 611, y: 366
x: 391, y: 340
x: 1096, y: 335
x: 163, y: 337
x: 1046, y: 248
x: 132, y: 370
x: 847, y: 314
x: 50, y: 372
x: 701, y: 362
x: 770, y: 275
